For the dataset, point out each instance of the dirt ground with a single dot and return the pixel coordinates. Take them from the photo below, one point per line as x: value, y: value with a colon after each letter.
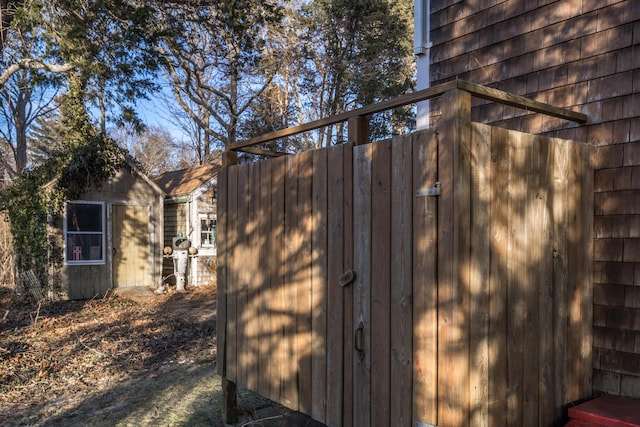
x: 134, y: 359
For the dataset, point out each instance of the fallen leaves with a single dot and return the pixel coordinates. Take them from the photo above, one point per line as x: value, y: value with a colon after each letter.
x: 66, y: 351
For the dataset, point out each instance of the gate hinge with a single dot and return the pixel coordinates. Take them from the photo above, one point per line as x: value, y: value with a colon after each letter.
x: 429, y: 192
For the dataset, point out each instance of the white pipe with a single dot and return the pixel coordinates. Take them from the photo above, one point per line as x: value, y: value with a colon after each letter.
x: 421, y: 49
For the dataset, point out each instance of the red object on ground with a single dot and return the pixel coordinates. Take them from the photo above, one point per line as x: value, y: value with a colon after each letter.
x: 580, y: 423
x: 606, y: 411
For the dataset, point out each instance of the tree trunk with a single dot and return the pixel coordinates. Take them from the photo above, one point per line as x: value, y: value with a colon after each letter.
x: 20, y: 119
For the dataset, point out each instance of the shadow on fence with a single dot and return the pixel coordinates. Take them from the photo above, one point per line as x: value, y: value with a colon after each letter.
x: 476, y: 302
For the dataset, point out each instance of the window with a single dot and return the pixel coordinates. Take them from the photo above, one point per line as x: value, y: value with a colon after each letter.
x: 208, y: 231
x: 84, y: 233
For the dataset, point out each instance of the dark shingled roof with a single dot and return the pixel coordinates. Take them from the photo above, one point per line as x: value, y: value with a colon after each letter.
x: 184, y: 181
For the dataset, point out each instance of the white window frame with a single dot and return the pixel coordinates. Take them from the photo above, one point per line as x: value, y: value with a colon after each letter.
x: 202, y: 217
x: 101, y: 233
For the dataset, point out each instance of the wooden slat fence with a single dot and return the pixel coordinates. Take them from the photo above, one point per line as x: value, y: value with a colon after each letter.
x: 468, y: 308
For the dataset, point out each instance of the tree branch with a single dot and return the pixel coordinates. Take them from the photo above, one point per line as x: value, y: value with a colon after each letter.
x: 33, y: 64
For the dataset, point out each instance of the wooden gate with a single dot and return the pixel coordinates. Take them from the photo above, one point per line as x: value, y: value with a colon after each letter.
x: 439, y: 278
x: 395, y: 258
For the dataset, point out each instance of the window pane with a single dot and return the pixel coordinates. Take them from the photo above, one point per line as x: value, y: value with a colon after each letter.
x: 84, y: 247
x: 84, y: 217
x: 205, y: 233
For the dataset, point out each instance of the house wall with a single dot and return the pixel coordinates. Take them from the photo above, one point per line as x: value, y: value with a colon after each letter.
x: 174, y: 214
x: 88, y: 281
x: 175, y: 221
x: 184, y: 217
x: 584, y: 55
x: 203, y: 271
x: 6, y: 251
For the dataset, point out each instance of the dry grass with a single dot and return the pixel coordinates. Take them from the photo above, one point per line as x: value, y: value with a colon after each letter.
x: 101, y: 355
x: 140, y: 360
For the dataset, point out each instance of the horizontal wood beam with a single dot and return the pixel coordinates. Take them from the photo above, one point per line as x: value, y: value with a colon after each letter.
x: 476, y: 90
x: 367, y: 110
x: 262, y: 152
x: 512, y: 100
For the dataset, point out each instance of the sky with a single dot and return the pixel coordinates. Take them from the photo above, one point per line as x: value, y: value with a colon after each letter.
x: 154, y: 113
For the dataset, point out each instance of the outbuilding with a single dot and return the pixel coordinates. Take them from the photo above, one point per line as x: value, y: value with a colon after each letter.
x: 111, y: 237
x: 190, y: 210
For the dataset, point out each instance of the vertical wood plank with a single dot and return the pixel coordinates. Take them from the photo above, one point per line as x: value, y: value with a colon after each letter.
x: 380, y: 331
x: 335, y: 293
x: 265, y: 359
x: 401, y: 280
x: 462, y: 236
x: 304, y: 286
x: 586, y: 286
x: 253, y: 311
x: 532, y: 257
x: 279, y: 252
x: 573, y: 296
x: 453, y: 261
x: 243, y: 274
x: 546, y: 303
x: 232, y: 275
x: 516, y: 271
x: 478, y: 274
x: 319, y: 286
x: 293, y: 244
x: 349, y: 291
x: 499, y: 226
x: 362, y: 157
x: 559, y: 188
x: 448, y: 388
x: 579, y: 285
x: 221, y: 273
x: 424, y: 277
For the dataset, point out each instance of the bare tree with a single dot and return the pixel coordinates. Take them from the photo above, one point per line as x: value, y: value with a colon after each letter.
x: 221, y: 63
x: 155, y: 148
x: 21, y: 104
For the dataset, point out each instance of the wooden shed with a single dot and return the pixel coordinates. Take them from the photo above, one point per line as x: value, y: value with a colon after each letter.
x: 190, y: 208
x: 111, y: 237
x: 437, y: 278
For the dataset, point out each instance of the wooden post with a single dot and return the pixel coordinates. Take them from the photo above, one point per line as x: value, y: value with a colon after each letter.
x: 454, y: 259
x: 358, y: 128
x: 229, y: 397
x: 229, y: 158
x: 229, y: 405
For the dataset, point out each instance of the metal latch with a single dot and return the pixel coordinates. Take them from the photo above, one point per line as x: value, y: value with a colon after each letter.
x: 429, y: 192
x: 359, y: 339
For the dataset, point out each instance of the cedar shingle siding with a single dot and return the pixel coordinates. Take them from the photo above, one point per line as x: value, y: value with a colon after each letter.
x: 175, y: 219
x: 584, y: 55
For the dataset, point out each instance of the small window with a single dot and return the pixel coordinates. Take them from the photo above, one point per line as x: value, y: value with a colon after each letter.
x: 84, y: 233
x: 208, y: 231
